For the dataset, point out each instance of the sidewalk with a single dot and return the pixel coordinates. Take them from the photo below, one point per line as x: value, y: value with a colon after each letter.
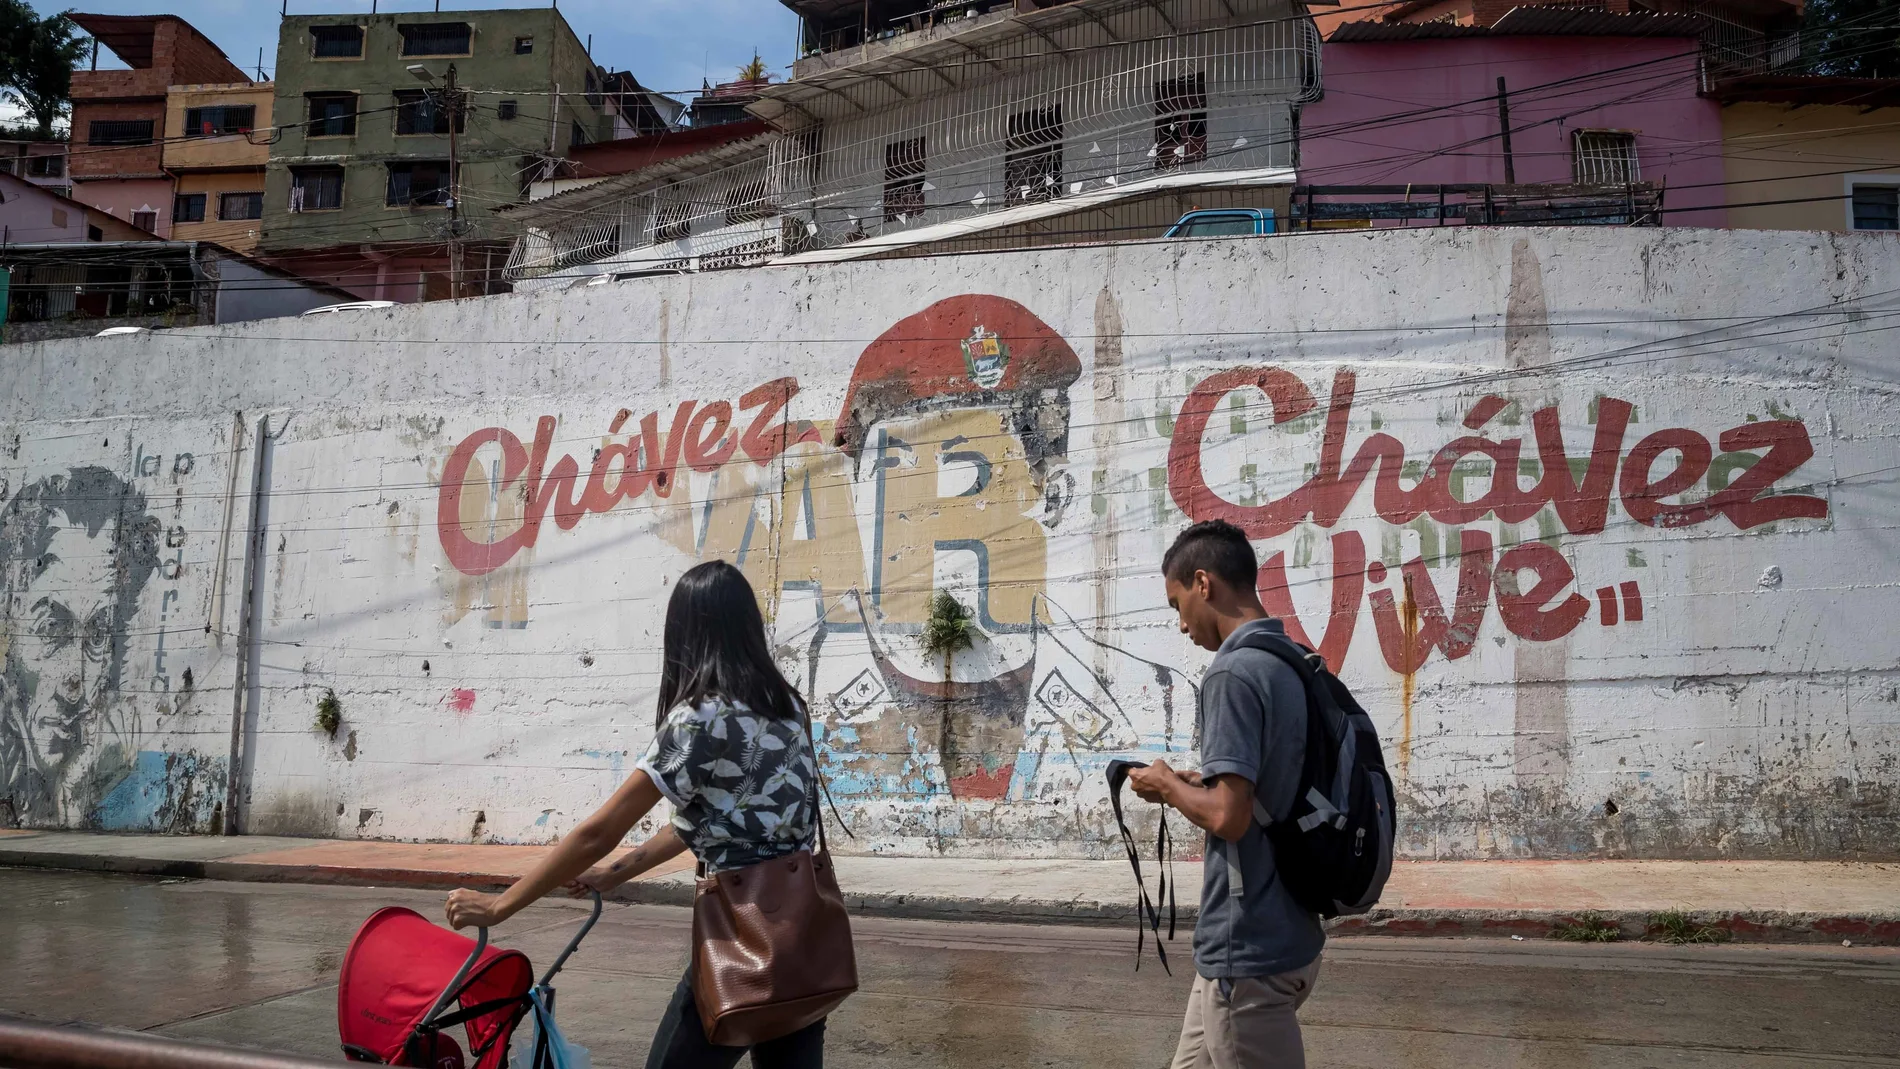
x: 1752, y: 900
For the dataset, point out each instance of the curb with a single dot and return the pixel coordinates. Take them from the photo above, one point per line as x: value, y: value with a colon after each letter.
x: 676, y: 889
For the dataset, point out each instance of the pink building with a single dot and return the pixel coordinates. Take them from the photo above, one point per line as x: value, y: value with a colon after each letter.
x: 1590, y: 99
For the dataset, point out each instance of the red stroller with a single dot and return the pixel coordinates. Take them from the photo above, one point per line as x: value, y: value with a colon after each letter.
x: 402, y: 991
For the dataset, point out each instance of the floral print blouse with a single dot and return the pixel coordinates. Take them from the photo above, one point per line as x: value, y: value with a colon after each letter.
x: 740, y: 783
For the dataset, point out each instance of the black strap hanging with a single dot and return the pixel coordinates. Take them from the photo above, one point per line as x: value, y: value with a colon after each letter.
x: 1164, y: 864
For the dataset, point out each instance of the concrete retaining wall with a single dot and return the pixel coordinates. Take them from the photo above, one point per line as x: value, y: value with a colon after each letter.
x: 1665, y: 637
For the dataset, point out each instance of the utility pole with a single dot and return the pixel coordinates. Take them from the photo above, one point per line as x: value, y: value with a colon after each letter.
x: 1504, y: 129
x: 453, y: 106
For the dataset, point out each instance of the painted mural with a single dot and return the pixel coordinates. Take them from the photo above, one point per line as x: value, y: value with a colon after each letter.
x: 1599, y: 527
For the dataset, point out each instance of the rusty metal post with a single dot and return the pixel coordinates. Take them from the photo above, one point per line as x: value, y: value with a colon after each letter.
x: 1504, y: 131
x: 35, y: 1046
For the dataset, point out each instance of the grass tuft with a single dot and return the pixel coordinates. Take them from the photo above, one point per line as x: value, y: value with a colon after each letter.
x: 329, y: 713
x: 1677, y: 928
x: 1588, y: 928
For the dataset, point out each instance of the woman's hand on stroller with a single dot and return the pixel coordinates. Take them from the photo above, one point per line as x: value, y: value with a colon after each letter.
x: 598, y: 880
x: 473, y: 909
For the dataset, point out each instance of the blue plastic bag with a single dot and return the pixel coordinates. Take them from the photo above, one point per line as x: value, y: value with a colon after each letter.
x: 561, y: 1053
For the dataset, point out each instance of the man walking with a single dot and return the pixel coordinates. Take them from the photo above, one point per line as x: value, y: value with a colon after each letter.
x: 1256, y: 951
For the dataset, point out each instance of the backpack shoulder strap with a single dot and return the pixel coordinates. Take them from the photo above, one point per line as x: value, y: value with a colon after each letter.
x: 1301, y: 661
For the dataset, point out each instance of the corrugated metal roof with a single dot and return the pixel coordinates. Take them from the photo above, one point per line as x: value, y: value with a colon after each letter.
x: 1530, y: 22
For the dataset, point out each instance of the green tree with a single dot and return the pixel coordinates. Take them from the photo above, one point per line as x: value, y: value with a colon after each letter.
x: 755, y: 70
x: 1852, y: 38
x: 38, y: 70
x: 16, y: 28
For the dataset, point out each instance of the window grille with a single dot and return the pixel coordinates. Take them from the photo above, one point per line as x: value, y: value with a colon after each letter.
x: 903, y: 179
x: 1604, y: 157
x: 315, y: 189
x: 507, y: 110
x: 241, y: 206
x: 220, y: 121
x: 435, y: 38
x: 45, y: 166
x: 331, y: 114
x: 418, y: 185
x: 1180, y: 121
x: 188, y: 208
x: 336, y: 42
x: 748, y: 203
x: 1032, y: 170
x: 119, y: 132
x: 1876, y: 207
x: 145, y: 220
x: 419, y: 112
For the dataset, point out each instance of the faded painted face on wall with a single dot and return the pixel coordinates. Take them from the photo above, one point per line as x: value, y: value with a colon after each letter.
x: 76, y: 550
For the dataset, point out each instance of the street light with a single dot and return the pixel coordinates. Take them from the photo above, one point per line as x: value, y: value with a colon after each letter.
x: 422, y: 73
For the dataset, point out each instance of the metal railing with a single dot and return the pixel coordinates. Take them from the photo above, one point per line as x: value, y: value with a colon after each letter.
x: 37, y: 1046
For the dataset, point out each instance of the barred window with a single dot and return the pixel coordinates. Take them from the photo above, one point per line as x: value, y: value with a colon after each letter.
x: 1876, y: 207
x: 219, y: 121
x: 188, y: 208
x: 1603, y: 157
x: 435, y: 38
x: 315, y: 189
x: 1032, y: 169
x: 903, y: 179
x: 422, y: 184
x: 419, y: 112
x: 241, y: 206
x: 331, y: 114
x: 119, y: 132
x: 1180, y: 121
x: 336, y: 42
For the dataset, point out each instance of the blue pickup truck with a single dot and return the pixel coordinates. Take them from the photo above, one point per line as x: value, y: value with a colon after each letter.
x: 1223, y: 222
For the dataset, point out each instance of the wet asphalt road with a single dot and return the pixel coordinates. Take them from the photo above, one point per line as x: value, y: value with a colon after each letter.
x: 256, y: 964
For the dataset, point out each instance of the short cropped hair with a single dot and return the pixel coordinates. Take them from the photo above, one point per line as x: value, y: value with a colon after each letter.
x: 1216, y: 547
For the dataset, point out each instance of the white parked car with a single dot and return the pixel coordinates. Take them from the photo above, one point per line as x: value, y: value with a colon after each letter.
x: 347, y: 306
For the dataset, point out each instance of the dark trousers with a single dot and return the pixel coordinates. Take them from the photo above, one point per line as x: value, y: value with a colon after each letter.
x: 681, y: 1042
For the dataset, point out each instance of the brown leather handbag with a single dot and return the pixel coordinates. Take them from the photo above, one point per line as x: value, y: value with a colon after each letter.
x: 772, y: 944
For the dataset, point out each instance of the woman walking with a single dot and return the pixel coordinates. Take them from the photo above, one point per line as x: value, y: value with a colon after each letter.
x: 732, y: 753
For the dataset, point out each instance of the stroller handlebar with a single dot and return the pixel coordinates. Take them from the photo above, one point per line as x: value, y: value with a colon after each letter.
x: 455, y: 986
x: 573, y: 944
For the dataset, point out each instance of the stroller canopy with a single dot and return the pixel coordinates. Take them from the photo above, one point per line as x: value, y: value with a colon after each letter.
x: 397, y: 966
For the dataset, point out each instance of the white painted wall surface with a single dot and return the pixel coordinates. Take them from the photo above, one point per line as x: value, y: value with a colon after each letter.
x: 1751, y: 711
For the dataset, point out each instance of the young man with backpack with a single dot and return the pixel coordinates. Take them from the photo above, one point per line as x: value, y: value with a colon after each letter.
x: 1256, y: 946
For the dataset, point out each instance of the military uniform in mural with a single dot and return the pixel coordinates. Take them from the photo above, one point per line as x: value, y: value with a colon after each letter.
x: 76, y: 550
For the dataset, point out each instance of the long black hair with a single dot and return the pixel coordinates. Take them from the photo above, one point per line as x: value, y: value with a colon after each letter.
x: 715, y: 646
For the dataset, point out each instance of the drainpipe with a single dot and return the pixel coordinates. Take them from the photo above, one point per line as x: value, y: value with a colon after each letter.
x: 247, y: 620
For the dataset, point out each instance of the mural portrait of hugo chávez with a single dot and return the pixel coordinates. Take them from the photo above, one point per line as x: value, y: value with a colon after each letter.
x: 76, y: 550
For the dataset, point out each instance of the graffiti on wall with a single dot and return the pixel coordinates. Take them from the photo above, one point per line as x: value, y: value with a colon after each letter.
x: 947, y: 468
x: 76, y: 552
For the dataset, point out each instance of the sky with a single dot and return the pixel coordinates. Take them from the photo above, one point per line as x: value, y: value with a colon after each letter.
x: 669, y: 45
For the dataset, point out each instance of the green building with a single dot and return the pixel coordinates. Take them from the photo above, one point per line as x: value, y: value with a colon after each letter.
x: 357, y: 191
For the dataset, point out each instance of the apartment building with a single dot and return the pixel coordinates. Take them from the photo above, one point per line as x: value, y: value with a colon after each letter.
x: 980, y: 126
x: 41, y: 163
x: 216, y: 153
x: 119, y: 128
x: 381, y: 181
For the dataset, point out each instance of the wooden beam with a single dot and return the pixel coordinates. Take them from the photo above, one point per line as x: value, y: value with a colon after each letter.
x: 892, y: 86
x: 971, y: 49
x: 1097, y: 20
x: 1163, y: 13
x: 941, y: 76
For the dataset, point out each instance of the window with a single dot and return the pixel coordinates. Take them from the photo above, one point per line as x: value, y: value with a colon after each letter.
x: 576, y: 135
x: 507, y: 110
x: 747, y: 203
x: 45, y: 166
x: 1603, y: 157
x: 316, y: 189
x: 240, y: 205
x: 188, y: 208
x: 1876, y: 207
x: 423, y: 184
x: 93, y: 233
x: 419, y: 112
x: 435, y: 38
x: 145, y: 220
x: 213, y: 122
x: 524, y: 46
x: 903, y: 179
x: 1180, y: 121
x: 120, y: 132
x: 332, y: 114
x: 1032, y: 170
x: 336, y: 42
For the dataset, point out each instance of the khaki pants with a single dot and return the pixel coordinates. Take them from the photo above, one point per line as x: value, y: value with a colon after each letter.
x: 1254, y: 1028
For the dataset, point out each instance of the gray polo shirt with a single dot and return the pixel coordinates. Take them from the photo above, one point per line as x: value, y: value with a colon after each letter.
x: 1252, y: 720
